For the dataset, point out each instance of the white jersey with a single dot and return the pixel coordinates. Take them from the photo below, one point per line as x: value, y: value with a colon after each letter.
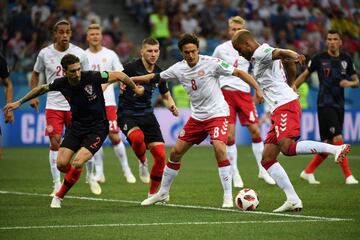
x: 105, y: 60
x: 201, y: 83
x: 227, y: 52
x: 271, y: 78
x: 48, y: 61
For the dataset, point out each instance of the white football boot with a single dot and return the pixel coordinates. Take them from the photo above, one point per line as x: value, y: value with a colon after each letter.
x: 289, y: 207
x: 310, y: 177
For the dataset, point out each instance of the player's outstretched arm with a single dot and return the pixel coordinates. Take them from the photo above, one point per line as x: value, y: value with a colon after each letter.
x: 288, y: 55
x: 8, y: 91
x: 144, y: 78
x: 170, y: 103
x: 122, y: 77
x: 259, y: 98
x: 34, y: 83
x: 35, y: 92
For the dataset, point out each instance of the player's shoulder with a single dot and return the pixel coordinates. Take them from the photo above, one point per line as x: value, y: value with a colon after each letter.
x: 345, y: 56
x: 74, y: 48
x: 47, y: 49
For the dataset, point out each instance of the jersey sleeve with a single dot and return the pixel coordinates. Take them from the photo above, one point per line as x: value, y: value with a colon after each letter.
x: 116, y: 64
x: 265, y: 53
x: 313, y: 64
x: 100, y: 77
x: 351, y: 69
x: 84, y: 62
x: 217, y: 52
x: 224, y: 68
x: 56, y: 85
x: 128, y: 70
x: 39, y: 64
x: 163, y: 87
x: 169, y: 74
x: 4, y: 72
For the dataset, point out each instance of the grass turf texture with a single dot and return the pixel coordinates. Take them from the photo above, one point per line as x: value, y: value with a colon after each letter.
x: 195, y: 200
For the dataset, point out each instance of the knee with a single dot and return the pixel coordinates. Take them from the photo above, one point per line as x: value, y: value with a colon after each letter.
x: 230, y: 139
x: 55, y: 142
x: 137, y: 137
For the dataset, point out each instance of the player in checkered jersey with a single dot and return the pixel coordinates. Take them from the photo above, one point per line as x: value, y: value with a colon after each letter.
x: 57, y: 110
x: 103, y: 59
x: 237, y: 95
x: 199, y: 76
x: 285, y: 111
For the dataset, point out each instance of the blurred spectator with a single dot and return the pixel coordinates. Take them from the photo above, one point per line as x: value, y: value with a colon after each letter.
x: 207, y: 18
x: 255, y: 25
x: 41, y: 9
x: 189, y: 24
x: 159, y: 24
x: 15, y: 49
x: 124, y: 49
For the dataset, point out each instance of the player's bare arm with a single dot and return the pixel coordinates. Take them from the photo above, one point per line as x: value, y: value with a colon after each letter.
x: 122, y: 77
x: 290, y: 67
x: 259, y: 98
x: 288, y: 55
x: 144, y: 78
x: 34, y: 83
x: 8, y: 91
x: 170, y: 103
x: 354, y: 83
x: 300, y: 79
x: 35, y: 92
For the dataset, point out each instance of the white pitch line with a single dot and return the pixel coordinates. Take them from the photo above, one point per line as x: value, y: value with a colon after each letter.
x: 187, y: 206
x: 159, y: 224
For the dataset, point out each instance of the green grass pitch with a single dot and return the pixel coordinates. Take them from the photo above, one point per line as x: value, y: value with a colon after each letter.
x: 331, y: 209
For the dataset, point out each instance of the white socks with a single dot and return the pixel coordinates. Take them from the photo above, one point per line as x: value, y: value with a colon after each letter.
x: 55, y: 173
x: 226, y: 178
x: 167, y: 179
x: 312, y: 147
x: 258, y: 149
x: 278, y: 173
x: 120, y: 152
x: 232, y: 156
x: 99, y: 162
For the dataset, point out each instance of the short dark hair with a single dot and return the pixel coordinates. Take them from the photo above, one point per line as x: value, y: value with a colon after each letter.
x: 150, y: 41
x: 334, y: 31
x: 61, y: 22
x: 69, y: 59
x: 188, y: 38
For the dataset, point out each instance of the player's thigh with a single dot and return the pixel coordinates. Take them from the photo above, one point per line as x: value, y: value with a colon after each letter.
x: 55, y: 121
x: 112, y: 118
x: 330, y: 122
x: 127, y: 124
x: 72, y: 140
x: 219, y: 150
x: 194, y: 131
x: 271, y: 151
x: 151, y: 129
x: 94, y: 138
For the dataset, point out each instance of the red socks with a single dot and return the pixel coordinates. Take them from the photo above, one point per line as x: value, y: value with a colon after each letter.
x: 157, y: 170
x: 315, y: 162
x: 138, y: 145
x: 345, y: 163
x: 69, y: 180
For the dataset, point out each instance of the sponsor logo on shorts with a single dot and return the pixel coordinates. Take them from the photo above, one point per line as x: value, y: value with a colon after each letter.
x: 49, y: 128
x: 332, y: 130
x: 125, y: 127
x: 182, y: 133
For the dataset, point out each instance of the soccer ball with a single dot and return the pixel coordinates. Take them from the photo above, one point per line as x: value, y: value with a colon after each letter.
x: 247, y: 199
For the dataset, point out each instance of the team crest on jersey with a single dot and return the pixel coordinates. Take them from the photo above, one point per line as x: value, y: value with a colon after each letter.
x: 89, y: 89
x: 343, y: 67
x: 201, y: 73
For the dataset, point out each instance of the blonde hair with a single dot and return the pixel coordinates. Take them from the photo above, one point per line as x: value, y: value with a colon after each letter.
x: 94, y: 26
x: 238, y: 20
x: 240, y: 37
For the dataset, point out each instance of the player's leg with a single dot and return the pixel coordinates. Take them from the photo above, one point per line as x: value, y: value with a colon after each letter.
x: 90, y: 169
x: 55, y: 121
x: 118, y: 145
x: 218, y: 131
x: 277, y: 172
x: 120, y: 151
x: 192, y: 133
x: 231, y: 148
x: 257, y: 146
x: 157, y: 150
x: 98, y: 166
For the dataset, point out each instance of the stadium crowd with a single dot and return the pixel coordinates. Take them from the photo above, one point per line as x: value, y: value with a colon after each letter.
x: 295, y: 24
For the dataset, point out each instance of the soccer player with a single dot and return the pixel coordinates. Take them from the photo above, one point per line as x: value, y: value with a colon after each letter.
x: 136, y: 117
x: 285, y: 111
x: 199, y: 75
x: 5, y: 79
x: 57, y: 110
x: 89, y: 125
x: 237, y: 95
x: 336, y: 71
x: 103, y: 59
